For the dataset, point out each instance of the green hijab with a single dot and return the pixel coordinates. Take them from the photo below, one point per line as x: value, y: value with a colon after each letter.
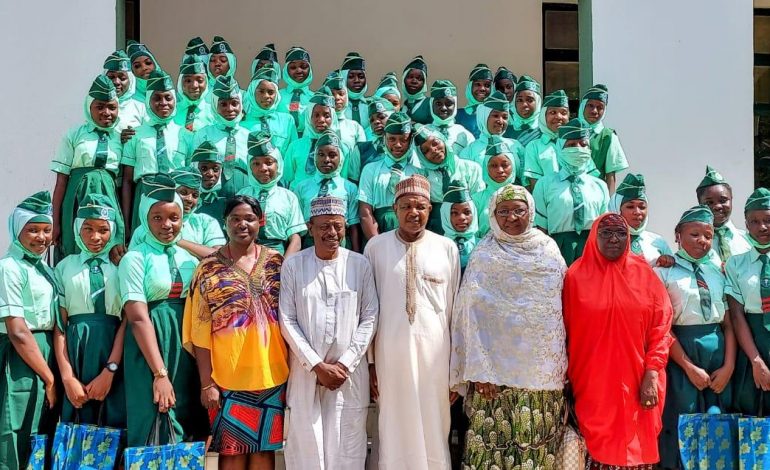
x: 225, y: 87
x: 259, y: 145
x: 421, y: 135
x: 458, y: 193
x: 159, y: 81
x: 527, y: 83
x: 191, y: 65
x: 34, y: 209
x: 95, y: 207
x: 253, y: 109
x: 135, y: 50
x: 479, y: 72
x: 443, y: 89
x: 497, y: 145
x: 118, y: 61
x: 557, y: 99
x: 158, y: 188
x: 329, y: 137
x: 398, y: 124
x: 297, y: 53
x: 322, y: 97
x: 631, y: 188
x: 418, y: 63
x: 101, y: 89
x: 596, y: 92
x: 388, y: 86
x: 220, y: 46
x: 353, y: 61
x: 496, y: 101
x: 269, y: 53
x: 207, y: 152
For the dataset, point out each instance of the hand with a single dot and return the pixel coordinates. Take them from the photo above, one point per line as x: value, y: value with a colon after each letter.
x: 210, y: 398
x: 75, y: 392
x: 761, y: 374
x: 100, y: 386
x: 163, y: 394
x: 56, y: 234
x: 374, y: 388
x: 698, y: 377
x: 330, y: 376
x: 665, y: 261
x: 486, y: 390
x: 50, y: 394
x: 116, y: 253
x: 648, y: 392
x: 453, y: 396
x: 720, y: 378
x: 126, y: 134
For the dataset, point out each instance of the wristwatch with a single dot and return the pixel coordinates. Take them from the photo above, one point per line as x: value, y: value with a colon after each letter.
x: 112, y: 367
x: 162, y: 372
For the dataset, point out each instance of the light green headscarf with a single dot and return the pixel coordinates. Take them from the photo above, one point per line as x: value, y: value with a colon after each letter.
x: 557, y: 99
x: 159, y: 81
x: 388, y: 86
x: 443, y: 89
x: 118, y: 61
x: 267, y: 52
x: 631, y: 188
x: 526, y: 83
x: 207, y: 152
x: 353, y: 61
x: 225, y: 87
x: 134, y: 50
x: 496, y: 101
x: 259, y: 145
x: 596, y: 92
x: 158, y: 188
x: 421, y: 135
x: 101, y: 89
x: 399, y: 123
x: 191, y: 65
x: 297, y: 53
x: 497, y: 146
x: 418, y: 63
x: 479, y: 72
x: 220, y: 46
x: 34, y: 209
x: 329, y: 137
x: 457, y: 193
x: 252, y: 108
x: 322, y: 97
x: 95, y: 207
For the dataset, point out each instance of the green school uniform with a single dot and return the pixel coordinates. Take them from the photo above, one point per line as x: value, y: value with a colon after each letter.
x: 497, y: 146
x: 196, y: 228
x: 362, y: 154
x: 416, y: 106
x: 279, y: 124
x: 525, y: 130
x: 131, y: 111
x: 555, y: 209
x: 283, y: 216
x: 145, y: 275
x: 296, y: 96
x: 234, y: 179
x: 730, y: 237
x: 377, y: 187
x: 699, y: 332
x: 541, y: 159
x: 27, y: 290
x: 652, y: 246
x: 606, y: 151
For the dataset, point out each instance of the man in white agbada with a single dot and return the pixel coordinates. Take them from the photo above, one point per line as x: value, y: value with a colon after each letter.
x: 328, y: 306
x: 417, y: 274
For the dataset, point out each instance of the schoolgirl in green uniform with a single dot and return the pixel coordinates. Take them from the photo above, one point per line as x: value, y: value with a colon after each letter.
x: 88, y: 339
x: 353, y: 71
x: 499, y: 169
x: 477, y: 90
x: 388, y: 89
x: 505, y: 83
x: 459, y: 220
x: 209, y: 162
x: 142, y: 64
x: 283, y: 225
x: 262, y: 101
x: 298, y: 75
x: 222, y: 60
x: 192, y: 90
x: 350, y: 131
x: 527, y: 99
x: 132, y: 113
x: 28, y: 305
x: 414, y: 85
x: 373, y: 148
x: 443, y: 109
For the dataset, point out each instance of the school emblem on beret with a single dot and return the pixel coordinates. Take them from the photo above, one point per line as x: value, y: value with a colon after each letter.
x: 167, y: 83
x: 447, y: 92
x: 408, y: 127
x: 222, y: 49
x: 201, y: 50
x: 104, y: 213
x: 379, y: 107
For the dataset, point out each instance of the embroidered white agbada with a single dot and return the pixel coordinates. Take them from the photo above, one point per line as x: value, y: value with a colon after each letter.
x: 412, y: 359
x: 328, y: 313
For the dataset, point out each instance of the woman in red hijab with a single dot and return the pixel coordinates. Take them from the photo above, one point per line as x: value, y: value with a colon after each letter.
x: 618, y: 317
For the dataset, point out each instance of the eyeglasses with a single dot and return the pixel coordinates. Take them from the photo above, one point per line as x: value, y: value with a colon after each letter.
x: 505, y: 213
x: 609, y: 234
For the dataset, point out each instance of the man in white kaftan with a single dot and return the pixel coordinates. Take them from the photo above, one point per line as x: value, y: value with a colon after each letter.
x: 328, y: 306
x: 417, y: 274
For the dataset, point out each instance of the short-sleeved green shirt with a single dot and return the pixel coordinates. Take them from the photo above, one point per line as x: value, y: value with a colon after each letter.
x: 339, y: 187
x: 683, y: 291
x: 197, y: 228
x: 140, y: 151
x: 281, y: 127
x: 78, y: 147
x: 283, y: 215
x: 742, y: 272
x: 24, y: 293
x: 132, y: 113
x: 466, y: 172
x: 477, y: 150
x: 555, y: 206
x: 457, y: 136
x: 145, y: 275
x: 74, y: 278
x: 373, y: 189
x: 295, y: 160
x: 217, y: 134
x: 203, y: 115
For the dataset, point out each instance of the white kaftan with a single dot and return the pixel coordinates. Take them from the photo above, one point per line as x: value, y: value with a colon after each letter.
x: 328, y: 313
x: 412, y: 359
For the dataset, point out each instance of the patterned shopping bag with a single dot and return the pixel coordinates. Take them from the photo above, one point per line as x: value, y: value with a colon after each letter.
x: 708, y: 441
x: 38, y: 443
x: 184, y: 455
x: 754, y: 443
x: 84, y: 447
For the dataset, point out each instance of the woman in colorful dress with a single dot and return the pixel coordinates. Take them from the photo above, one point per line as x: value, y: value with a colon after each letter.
x: 28, y: 305
x: 618, y: 339
x: 508, y: 341
x: 86, y: 162
x: 154, y: 282
x: 283, y: 224
x: 702, y: 357
x: 231, y: 327
x: 88, y: 339
x: 478, y: 89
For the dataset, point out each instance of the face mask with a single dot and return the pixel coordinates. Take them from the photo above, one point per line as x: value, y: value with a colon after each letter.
x: 575, y: 159
x: 755, y: 243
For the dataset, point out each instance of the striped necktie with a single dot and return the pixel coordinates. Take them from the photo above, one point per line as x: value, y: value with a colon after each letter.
x: 396, y: 172
x: 310, y: 161
x: 703, y: 292
x: 294, y: 106
x: 161, y: 155
x: 323, y: 190
x: 176, y: 278
x: 102, y: 149
x: 578, y: 206
x: 230, y: 150
x: 189, y: 122
x: 764, y: 283
x: 96, y: 282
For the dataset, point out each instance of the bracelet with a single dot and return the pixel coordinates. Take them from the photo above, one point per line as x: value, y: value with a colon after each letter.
x: 211, y: 385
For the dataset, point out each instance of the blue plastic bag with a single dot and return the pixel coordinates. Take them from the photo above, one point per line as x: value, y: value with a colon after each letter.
x: 38, y: 443
x: 708, y: 441
x: 84, y: 447
x: 184, y: 455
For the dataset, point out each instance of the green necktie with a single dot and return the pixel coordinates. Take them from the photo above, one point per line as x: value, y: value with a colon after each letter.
x: 703, y: 292
x: 355, y: 112
x: 578, y: 206
x: 396, y: 172
x: 725, y: 235
x: 460, y: 241
x: 324, y: 189
x: 190, y: 118
x: 229, y: 166
x: 444, y: 129
x: 176, y: 278
x: 310, y: 161
x: 263, y: 124
x: 764, y: 284
x: 102, y: 149
x: 209, y: 197
x: 636, y: 244
x: 161, y: 156
x: 96, y: 280
x: 294, y: 106
x: 445, y: 179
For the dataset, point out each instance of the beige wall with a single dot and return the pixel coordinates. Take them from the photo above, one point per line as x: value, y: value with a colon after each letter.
x: 452, y: 35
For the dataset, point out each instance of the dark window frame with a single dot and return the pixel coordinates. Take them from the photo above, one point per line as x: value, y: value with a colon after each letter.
x: 558, y: 55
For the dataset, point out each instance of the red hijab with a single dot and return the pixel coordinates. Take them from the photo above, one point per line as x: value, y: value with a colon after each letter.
x: 617, y: 316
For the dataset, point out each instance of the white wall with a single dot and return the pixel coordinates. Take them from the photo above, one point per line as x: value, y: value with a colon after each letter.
x: 54, y: 49
x: 681, y: 95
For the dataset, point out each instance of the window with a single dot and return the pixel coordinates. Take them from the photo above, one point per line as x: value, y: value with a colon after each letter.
x: 762, y: 97
x: 561, y: 51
